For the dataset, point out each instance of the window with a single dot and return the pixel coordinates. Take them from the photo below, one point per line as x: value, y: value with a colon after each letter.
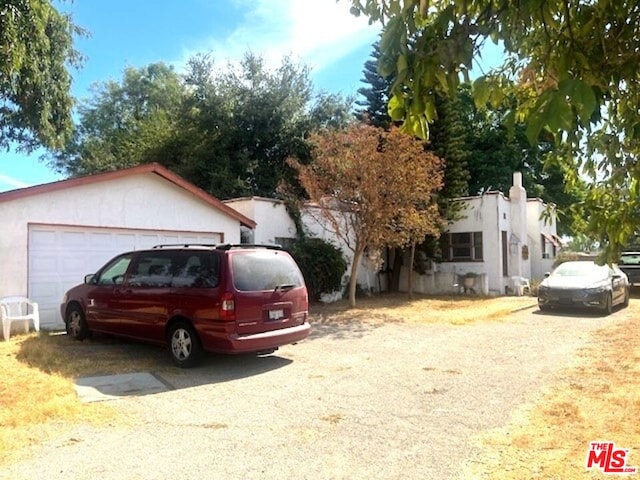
x: 284, y: 242
x: 197, y: 269
x: 151, y: 269
x: 547, y: 239
x: 462, y: 247
x: 268, y: 270
x: 113, y: 273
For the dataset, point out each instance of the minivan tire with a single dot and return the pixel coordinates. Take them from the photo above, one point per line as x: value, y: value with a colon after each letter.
x: 184, y: 345
x: 76, y: 323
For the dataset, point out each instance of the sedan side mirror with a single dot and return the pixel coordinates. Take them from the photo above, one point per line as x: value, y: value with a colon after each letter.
x: 88, y: 278
x: 546, y: 274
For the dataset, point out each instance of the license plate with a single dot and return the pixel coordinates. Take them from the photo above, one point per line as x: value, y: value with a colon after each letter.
x: 276, y: 314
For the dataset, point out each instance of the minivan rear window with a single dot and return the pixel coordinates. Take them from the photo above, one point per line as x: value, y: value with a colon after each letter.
x: 264, y: 270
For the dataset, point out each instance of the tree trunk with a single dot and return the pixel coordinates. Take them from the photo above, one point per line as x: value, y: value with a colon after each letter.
x: 410, y: 272
x: 353, y: 280
x: 396, y: 269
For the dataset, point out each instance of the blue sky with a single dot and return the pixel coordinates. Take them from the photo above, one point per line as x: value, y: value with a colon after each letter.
x: 320, y: 33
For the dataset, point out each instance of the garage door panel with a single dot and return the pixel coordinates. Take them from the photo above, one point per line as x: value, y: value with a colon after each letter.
x: 101, y: 241
x: 75, y: 240
x: 43, y: 239
x: 124, y: 241
x: 61, y: 256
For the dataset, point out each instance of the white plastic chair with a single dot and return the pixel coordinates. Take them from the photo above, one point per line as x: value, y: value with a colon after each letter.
x: 18, y: 309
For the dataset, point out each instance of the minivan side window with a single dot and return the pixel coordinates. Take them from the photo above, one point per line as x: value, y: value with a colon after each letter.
x: 113, y: 273
x: 197, y: 269
x: 151, y: 269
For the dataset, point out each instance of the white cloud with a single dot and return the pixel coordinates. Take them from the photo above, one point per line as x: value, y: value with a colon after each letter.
x: 11, y: 182
x: 318, y: 32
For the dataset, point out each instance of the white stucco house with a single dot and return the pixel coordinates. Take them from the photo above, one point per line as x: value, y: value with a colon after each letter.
x: 503, y: 240
x: 54, y: 234
x: 276, y: 227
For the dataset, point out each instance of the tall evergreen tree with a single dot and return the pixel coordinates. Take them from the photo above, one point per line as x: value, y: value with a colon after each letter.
x: 450, y: 140
x: 375, y: 93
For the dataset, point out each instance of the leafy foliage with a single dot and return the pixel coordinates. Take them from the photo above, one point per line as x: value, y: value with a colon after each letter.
x: 36, y: 45
x: 480, y: 153
x: 322, y: 265
x: 375, y: 189
x: 375, y: 93
x: 229, y: 132
x: 569, y: 74
x: 125, y: 124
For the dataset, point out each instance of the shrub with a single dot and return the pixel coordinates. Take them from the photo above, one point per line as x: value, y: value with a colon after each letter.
x: 322, y: 265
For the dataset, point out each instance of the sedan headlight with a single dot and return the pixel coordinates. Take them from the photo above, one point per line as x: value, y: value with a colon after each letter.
x: 64, y: 298
x: 593, y: 290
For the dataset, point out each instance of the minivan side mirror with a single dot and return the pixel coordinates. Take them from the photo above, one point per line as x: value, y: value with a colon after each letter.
x: 88, y: 278
x: 546, y: 274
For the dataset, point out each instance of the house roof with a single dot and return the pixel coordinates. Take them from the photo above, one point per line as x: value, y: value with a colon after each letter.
x: 154, y: 168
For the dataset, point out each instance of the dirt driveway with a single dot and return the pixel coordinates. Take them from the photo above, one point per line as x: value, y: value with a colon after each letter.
x: 356, y: 401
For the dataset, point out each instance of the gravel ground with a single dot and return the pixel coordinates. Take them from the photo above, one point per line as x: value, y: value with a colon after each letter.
x: 358, y: 401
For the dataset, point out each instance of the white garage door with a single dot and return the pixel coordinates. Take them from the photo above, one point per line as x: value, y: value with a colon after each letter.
x: 61, y: 256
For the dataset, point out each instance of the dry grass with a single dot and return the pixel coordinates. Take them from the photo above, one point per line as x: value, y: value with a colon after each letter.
x: 35, y: 404
x: 597, y: 399
x: 37, y: 394
x: 457, y: 310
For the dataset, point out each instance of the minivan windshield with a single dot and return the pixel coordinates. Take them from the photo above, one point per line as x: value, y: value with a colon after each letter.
x: 264, y: 270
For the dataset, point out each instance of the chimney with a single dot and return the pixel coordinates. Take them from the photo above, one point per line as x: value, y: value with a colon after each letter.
x: 517, y: 191
x: 517, y: 179
x: 518, y: 213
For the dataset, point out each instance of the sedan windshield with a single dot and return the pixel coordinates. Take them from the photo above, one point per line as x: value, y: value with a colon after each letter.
x: 581, y: 269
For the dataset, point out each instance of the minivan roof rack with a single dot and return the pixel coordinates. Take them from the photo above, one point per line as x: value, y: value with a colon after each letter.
x: 218, y: 246
x: 228, y: 246
x: 186, y: 245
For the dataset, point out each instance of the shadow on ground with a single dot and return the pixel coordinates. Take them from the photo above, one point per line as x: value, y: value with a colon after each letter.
x: 103, y: 355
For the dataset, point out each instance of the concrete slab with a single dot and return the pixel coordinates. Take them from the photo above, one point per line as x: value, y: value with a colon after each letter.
x: 112, y: 387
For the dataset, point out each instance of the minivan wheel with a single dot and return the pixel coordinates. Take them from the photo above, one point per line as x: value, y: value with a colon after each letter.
x: 76, y: 323
x: 184, y: 345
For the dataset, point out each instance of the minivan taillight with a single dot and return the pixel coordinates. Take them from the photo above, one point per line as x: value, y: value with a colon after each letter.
x: 227, y: 307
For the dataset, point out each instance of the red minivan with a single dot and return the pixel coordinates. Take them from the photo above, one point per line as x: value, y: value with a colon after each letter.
x: 194, y: 298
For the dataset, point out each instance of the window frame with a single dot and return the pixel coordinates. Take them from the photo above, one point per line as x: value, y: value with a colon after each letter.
x: 472, y: 244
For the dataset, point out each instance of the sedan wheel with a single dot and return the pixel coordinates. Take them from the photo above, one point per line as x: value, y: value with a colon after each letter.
x: 184, y: 345
x: 625, y: 303
x: 608, y: 305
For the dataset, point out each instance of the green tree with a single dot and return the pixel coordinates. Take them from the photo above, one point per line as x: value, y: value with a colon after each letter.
x: 36, y: 46
x: 126, y: 123
x: 450, y: 140
x: 228, y: 131
x: 375, y: 93
x: 571, y: 67
x: 250, y: 119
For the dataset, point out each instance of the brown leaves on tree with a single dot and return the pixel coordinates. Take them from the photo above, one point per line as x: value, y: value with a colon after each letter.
x: 376, y: 188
